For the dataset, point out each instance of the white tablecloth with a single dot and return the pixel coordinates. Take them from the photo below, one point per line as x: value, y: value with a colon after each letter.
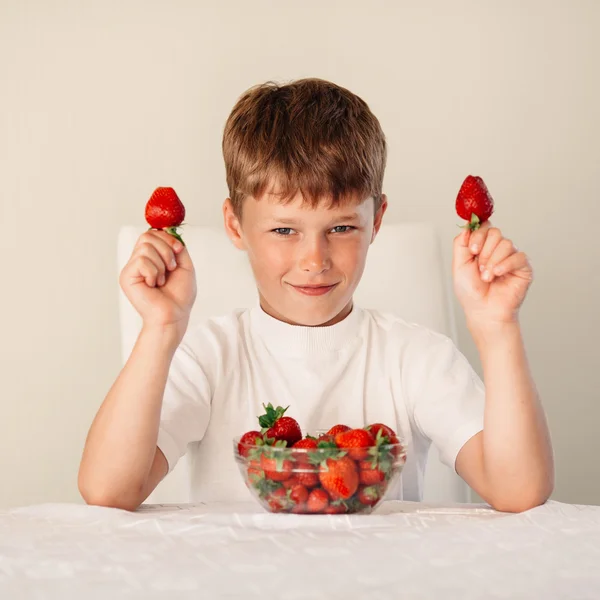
x: 404, y: 550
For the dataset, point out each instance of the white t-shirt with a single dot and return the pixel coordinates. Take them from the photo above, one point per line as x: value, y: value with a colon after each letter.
x: 370, y: 367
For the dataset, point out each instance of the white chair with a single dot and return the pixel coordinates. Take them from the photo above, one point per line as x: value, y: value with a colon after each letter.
x: 402, y: 253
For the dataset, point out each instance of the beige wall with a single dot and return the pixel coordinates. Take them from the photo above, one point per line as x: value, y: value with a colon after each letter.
x: 100, y: 104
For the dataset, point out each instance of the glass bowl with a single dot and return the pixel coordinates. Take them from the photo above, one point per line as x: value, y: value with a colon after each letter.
x: 324, y: 480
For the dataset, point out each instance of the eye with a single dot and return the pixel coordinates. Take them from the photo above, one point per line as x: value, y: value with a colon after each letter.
x: 283, y: 231
x: 342, y: 228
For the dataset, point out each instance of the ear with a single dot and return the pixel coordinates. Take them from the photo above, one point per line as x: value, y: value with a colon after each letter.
x: 233, y: 227
x: 379, y: 217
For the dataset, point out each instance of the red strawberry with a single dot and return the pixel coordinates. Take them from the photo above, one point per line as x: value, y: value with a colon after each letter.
x: 276, y: 468
x: 305, y: 445
x: 338, y: 429
x: 325, y: 437
x: 164, y: 210
x: 336, y: 508
x: 384, y: 436
x: 369, y: 496
x: 291, y: 482
x: 474, y: 202
x: 298, y: 494
x: 397, y: 448
x: 368, y: 475
x: 279, y: 500
x: 255, y: 473
x: 247, y: 441
x: 254, y: 467
x: 275, y: 425
x: 317, y: 501
x: 385, y: 430
x: 339, y: 477
x: 357, y: 441
x: 309, y: 480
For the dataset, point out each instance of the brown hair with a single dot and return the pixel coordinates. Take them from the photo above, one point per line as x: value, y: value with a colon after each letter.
x: 310, y: 136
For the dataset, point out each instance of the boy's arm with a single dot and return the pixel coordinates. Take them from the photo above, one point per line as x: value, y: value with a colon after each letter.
x: 509, y: 463
x: 121, y: 463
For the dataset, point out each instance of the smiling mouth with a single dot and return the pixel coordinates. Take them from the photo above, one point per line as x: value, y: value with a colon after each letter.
x: 314, y: 290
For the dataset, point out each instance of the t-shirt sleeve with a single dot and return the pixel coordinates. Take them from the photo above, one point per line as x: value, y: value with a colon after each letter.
x: 186, y: 405
x: 447, y: 395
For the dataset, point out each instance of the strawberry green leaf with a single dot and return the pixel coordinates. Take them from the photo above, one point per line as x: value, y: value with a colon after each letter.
x: 173, y: 231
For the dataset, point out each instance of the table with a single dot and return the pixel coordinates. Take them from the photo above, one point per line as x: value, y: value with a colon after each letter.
x: 403, y: 550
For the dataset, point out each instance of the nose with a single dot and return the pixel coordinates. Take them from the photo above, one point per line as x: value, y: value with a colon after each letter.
x: 314, y: 255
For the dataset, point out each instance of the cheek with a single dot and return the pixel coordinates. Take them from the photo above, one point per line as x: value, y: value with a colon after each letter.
x: 351, y: 256
x: 269, y: 260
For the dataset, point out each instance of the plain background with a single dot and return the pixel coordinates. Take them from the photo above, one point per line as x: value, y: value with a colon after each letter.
x: 100, y: 102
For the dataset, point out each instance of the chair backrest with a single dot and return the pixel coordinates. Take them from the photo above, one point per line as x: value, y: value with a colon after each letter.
x: 404, y: 274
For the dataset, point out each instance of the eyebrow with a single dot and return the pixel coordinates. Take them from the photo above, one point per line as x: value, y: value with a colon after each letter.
x: 347, y: 217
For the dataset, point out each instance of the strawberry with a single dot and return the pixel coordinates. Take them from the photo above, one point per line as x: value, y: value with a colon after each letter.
x: 356, y: 441
x: 339, y: 477
x: 396, y: 449
x: 317, y: 501
x: 248, y: 440
x: 262, y: 486
x: 275, y: 425
x: 393, y: 440
x: 309, y: 480
x: 474, y: 202
x: 369, y: 496
x: 279, y: 500
x: 375, y: 428
x: 276, y: 467
x: 255, y: 472
x: 305, y: 445
x: 298, y: 494
x: 325, y: 437
x: 338, y: 429
x: 291, y: 482
x: 164, y: 210
x: 384, y: 436
x: 336, y: 508
x: 368, y: 475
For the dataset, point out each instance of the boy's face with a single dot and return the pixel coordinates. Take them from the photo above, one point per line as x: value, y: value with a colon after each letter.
x: 306, y: 261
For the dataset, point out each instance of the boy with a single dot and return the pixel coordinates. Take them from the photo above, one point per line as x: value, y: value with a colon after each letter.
x: 305, y: 165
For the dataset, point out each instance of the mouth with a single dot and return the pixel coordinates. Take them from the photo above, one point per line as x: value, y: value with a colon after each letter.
x: 314, y: 290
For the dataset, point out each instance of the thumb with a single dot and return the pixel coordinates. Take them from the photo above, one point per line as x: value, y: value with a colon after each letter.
x: 462, y: 254
x: 184, y: 259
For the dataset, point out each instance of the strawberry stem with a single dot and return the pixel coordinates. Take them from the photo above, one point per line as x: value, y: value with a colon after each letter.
x: 473, y: 224
x: 271, y: 415
x: 173, y: 231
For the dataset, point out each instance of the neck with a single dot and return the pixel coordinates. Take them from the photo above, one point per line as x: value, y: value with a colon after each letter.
x: 280, y: 317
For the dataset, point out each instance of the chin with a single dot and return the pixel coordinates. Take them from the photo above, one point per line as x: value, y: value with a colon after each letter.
x: 313, y: 318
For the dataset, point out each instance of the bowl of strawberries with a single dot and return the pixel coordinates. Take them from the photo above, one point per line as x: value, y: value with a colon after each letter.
x: 341, y: 470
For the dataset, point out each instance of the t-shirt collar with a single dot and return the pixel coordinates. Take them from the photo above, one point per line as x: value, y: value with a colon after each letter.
x: 299, y: 339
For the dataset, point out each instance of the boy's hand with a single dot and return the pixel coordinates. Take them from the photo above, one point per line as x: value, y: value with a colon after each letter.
x: 491, y: 280
x: 160, y: 282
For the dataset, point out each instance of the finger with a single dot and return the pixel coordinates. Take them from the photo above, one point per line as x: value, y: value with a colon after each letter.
x: 461, y: 254
x: 169, y: 239
x: 478, y: 237
x: 148, y: 270
x: 164, y: 244
x: 149, y: 251
x: 503, y: 250
x: 184, y: 259
x: 493, y: 238
x: 163, y: 235
x: 514, y: 263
